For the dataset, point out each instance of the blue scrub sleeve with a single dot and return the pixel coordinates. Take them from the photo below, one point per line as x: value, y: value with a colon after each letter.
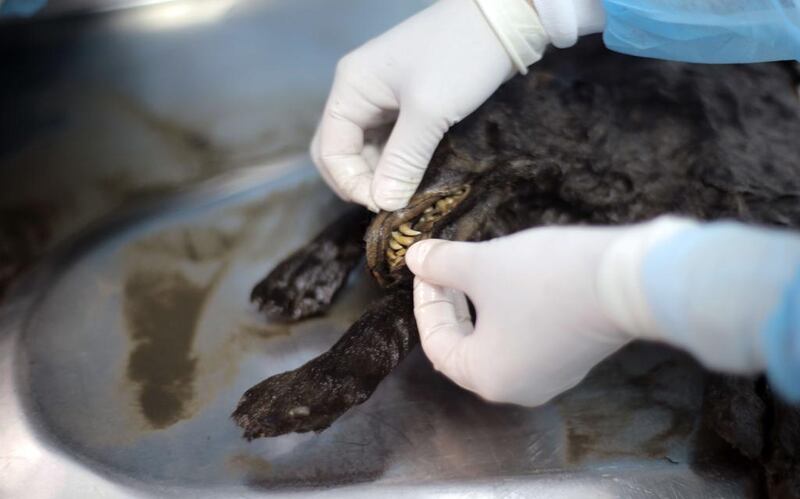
x: 781, y: 339
x: 705, y: 31
x: 729, y: 294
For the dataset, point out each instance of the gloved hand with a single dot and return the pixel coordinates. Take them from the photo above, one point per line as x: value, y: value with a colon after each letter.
x: 428, y: 73
x: 551, y: 303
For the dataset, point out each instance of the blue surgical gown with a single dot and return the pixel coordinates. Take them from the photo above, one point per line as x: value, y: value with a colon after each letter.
x: 705, y: 31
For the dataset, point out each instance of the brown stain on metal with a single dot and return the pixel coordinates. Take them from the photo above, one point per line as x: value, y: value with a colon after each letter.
x: 161, y: 309
x: 596, y: 425
x: 194, y: 244
x: 589, y: 429
x: 194, y: 146
x: 254, y: 467
x: 263, y: 331
x: 224, y: 362
x: 187, y: 143
x: 163, y: 306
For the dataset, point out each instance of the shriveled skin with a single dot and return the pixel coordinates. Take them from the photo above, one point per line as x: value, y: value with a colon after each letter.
x: 313, y: 396
x: 764, y: 429
x: 783, y: 456
x: 601, y: 138
x: 589, y: 137
x: 305, y: 283
x: 733, y: 408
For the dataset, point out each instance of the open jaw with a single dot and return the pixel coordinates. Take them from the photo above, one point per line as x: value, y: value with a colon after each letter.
x: 392, y: 233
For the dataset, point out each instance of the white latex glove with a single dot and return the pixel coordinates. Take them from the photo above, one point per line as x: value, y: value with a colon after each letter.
x: 546, y: 302
x: 428, y: 73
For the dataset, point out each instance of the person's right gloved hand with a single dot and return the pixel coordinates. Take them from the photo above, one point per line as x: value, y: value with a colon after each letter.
x: 542, y: 317
x: 552, y: 302
x: 428, y: 73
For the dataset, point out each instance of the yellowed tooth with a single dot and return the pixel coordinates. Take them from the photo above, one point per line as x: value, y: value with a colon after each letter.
x: 390, y: 255
x: 401, y: 252
x: 400, y: 238
x: 407, y: 230
x: 395, y: 245
x: 428, y: 209
x: 441, y: 205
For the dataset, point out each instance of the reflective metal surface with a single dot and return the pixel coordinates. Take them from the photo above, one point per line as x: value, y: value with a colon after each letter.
x: 122, y: 354
x: 122, y: 358
x: 100, y: 111
x: 27, y: 10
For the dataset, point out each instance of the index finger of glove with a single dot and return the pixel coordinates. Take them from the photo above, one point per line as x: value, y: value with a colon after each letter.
x: 445, y: 330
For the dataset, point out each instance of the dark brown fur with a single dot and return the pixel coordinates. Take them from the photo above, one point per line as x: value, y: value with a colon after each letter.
x: 589, y: 137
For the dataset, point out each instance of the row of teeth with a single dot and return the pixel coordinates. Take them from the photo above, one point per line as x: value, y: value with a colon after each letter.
x: 401, y: 239
x: 431, y: 213
x: 406, y: 235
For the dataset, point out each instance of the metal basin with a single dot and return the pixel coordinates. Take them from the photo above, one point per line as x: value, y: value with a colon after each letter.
x: 119, y: 378
x: 126, y: 348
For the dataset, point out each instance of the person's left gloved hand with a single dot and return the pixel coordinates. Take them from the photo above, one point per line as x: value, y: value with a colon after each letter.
x: 546, y: 302
x: 428, y: 73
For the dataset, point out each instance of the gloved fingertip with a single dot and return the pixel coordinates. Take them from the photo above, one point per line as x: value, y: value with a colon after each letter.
x: 451, y: 264
x: 359, y: 193
x: 416, y: 255
x: 390, y: 197
x: 389, y: 205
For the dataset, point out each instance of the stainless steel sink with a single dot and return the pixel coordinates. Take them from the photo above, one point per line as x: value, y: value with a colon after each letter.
x: 123, y: 355
x: 100, y: 110
x: 165, y: 144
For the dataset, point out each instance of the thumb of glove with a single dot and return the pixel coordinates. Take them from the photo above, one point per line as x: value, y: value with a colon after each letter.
x: 445, y: 263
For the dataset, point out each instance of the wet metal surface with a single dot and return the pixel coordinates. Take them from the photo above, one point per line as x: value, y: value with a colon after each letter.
x: 101, y: 111
x: 123, y: 354
x: 120, y: 376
